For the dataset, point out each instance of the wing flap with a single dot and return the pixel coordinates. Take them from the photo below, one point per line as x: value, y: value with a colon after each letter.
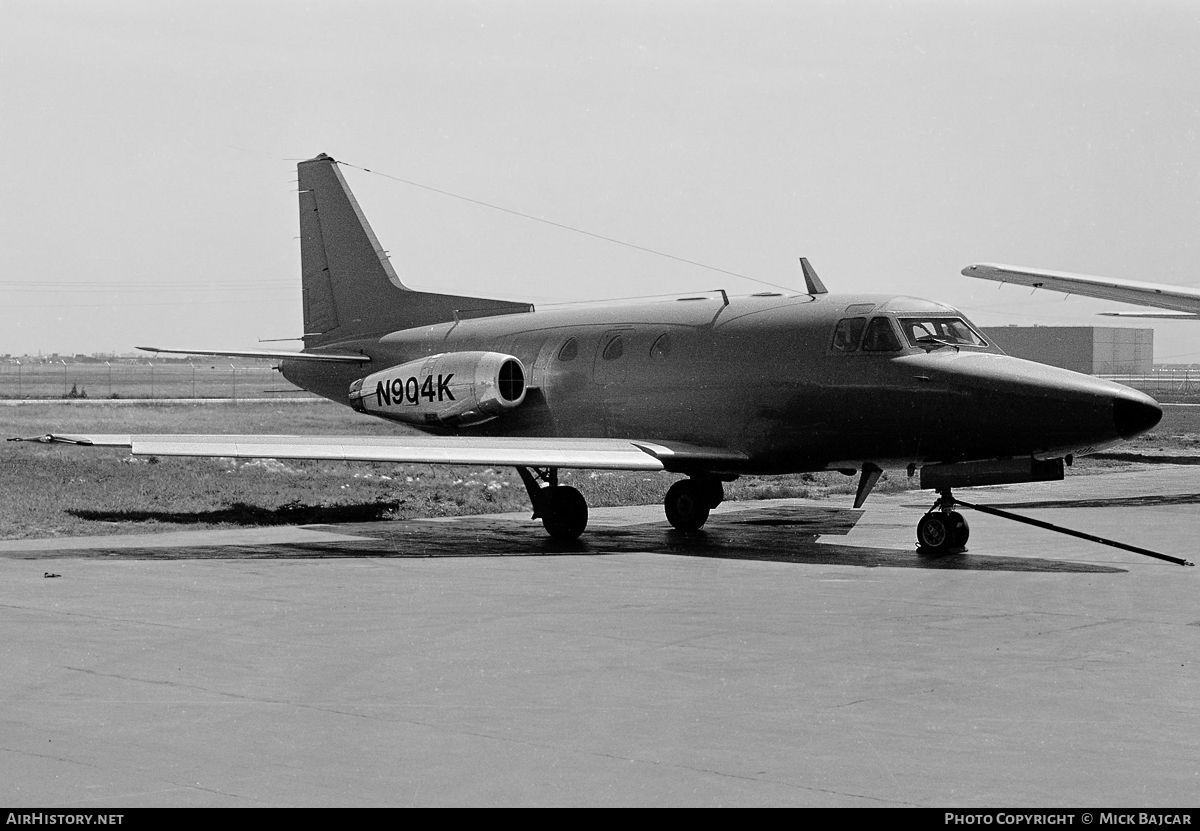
x: 596, y: 454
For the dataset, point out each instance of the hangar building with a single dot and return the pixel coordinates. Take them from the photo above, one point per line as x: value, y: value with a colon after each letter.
x: 1095, y: 350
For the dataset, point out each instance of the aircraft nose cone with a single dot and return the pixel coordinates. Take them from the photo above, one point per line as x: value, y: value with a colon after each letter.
x: 1134, y: 416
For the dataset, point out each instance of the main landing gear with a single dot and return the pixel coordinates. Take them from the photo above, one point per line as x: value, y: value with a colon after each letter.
x: 943, y: 529
x: 564, y: 512
x: 689, y: 501
x: 562, y: 509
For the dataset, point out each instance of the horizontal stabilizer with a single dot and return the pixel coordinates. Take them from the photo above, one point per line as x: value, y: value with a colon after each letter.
x: 265, y: 354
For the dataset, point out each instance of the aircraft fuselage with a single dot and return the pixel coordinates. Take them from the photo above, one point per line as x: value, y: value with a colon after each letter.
x: 762, y: 375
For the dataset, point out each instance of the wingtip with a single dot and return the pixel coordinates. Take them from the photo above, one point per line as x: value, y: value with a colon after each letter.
x: 51, y: 438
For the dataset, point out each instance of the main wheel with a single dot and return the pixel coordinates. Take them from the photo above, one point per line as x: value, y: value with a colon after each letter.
x: 687, y: 506
x: 713, y: 492
x: 936, y: 531
x: 568, y: 515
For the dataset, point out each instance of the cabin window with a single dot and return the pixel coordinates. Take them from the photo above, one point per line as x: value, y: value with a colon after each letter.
x: 880, y: 336
x: 661, y: 347
x: 614, y: 349
x: 934, y: 331
x: 847, y: 334
x: 569, y: 351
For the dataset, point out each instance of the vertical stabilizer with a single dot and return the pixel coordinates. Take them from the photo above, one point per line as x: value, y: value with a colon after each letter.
x: 350, y: 288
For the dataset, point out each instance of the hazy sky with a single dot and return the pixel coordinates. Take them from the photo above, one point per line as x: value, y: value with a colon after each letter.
x: 150, y: 148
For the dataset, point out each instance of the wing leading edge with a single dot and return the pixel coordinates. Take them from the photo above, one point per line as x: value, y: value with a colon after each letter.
x: 1185, y: 302
x: 598, y: 454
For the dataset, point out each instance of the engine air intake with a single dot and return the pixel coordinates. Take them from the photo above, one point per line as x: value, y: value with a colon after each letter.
x: 512, y: 380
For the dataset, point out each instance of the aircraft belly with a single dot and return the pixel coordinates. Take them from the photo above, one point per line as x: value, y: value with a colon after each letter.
x: 819, y: 425
x: 1007, y: 424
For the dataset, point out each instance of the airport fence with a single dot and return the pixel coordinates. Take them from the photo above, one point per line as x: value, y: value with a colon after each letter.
x: 227, y: 380
x: 1182, y: 382
x: 142, y: 380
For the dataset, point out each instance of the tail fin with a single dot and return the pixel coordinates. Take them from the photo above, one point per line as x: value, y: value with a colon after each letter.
x: 350, y: 287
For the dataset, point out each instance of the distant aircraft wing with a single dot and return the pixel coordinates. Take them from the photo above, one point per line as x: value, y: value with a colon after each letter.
x: 610, y: 454
x: 1184, y: 301
x: 1163, y: 315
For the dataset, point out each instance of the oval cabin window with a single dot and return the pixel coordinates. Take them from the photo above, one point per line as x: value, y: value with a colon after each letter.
x: 569, y: 351
x: 614, y: 349
x: 661, y: 347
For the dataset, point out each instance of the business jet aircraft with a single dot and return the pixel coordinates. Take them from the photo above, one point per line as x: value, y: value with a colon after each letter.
x: 1183, y: 303
x: 707, y: 385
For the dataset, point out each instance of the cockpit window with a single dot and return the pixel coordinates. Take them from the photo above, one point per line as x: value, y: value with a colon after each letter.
x: 847, y: 334
x: 880, y: 336
x: 944, y: 331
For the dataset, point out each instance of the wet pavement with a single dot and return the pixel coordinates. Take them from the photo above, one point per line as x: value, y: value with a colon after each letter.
x: 792, y: 653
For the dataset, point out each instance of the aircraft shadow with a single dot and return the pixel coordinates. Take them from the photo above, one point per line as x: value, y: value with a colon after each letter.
x: 769, y: 534
x: 1145, y: 458
x: 1152, y: 500
x: 241, y: 513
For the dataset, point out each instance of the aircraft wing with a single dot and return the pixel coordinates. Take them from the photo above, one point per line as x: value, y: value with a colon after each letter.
x: 604, y: 454
x: 1177, y: 298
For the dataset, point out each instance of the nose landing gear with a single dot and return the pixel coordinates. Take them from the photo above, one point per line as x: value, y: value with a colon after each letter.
x: 943, y: 529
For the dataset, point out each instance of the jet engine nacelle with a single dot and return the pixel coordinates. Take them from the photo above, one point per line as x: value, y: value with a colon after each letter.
x: 450, y: 389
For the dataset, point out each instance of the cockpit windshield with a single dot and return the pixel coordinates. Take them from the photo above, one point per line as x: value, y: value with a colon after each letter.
x: 929, y: 332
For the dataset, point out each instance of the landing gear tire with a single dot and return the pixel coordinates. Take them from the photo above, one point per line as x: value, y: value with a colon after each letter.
x: 942, y: 531
x: 962, y: 531
x: 568, y: 516
x: 934, y: 533
x: 713, y: 492
x: 687, y: 505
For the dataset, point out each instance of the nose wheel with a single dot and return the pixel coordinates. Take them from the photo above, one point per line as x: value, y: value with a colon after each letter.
x: 943, y: 529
